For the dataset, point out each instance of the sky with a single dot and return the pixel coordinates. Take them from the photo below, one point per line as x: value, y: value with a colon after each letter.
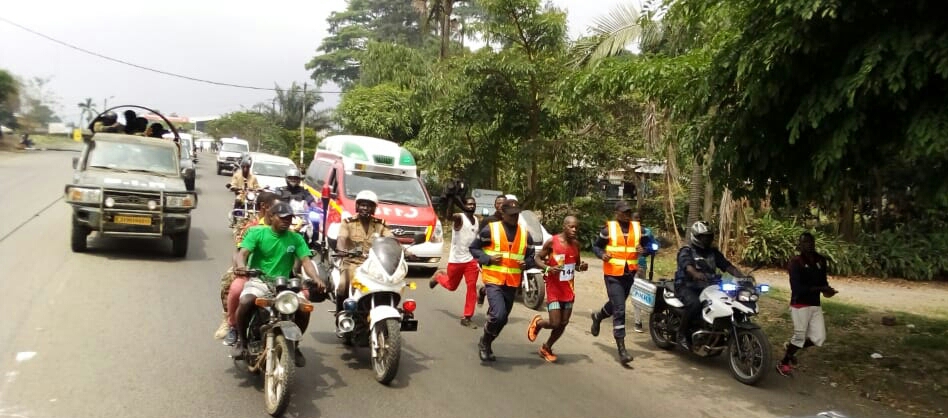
x: 236, y: 41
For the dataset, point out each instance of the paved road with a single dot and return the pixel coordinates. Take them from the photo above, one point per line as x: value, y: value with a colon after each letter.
x: 125, y: 330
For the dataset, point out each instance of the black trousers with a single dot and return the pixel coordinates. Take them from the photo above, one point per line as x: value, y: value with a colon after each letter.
x: 618, y: 288
x: 689, y: 296
x: 500, y: 300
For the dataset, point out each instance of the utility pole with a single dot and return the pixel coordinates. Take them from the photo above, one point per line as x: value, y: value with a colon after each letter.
x: 302, y: 126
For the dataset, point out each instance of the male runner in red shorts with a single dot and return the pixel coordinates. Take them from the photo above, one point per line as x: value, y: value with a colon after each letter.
x: 460, y: 261
x: 560, y: 255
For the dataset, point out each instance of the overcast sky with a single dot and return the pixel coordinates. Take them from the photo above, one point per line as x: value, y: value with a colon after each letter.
x: 240, y: 42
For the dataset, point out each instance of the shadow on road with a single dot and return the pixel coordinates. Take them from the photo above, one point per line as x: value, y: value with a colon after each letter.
x: 146, y: 249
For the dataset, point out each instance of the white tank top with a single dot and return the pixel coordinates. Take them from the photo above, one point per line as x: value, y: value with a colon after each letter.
x: 461, y: 241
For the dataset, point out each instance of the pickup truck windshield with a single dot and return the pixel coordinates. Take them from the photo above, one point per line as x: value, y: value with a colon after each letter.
x: 389, y: 188
x: 261, y: 168
x: 133, y: 157
x: 232, y: 147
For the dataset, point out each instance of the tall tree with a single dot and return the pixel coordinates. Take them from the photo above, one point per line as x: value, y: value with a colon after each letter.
x: 9, y: 99
x: 87, y: 111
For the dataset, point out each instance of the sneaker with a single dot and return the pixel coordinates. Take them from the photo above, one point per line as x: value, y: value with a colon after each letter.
x: 231, y: 337
x: 784, y: 369
x: 638, y: 327
x: 547, y: 354
x: 298, y: 358
x: 481, y: 295
x: 433, y: 281
x: 466, y: 322
x: 793, y: 359
x: 222, y: 329
x: 532, y: 329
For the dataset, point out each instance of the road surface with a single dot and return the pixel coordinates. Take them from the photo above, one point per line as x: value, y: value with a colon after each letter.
x: 126, y: 330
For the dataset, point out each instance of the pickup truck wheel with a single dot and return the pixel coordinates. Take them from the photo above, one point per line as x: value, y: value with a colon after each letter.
x: 78, y: 238
x: 219, y: 171
x: 179, y: 245
x: 189, y: 184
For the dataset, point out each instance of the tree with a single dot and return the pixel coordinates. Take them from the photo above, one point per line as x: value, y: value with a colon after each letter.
x: 288, y: 106
x: 351, y: 30
x: 37, y: 104
x: 87, y: 109
x: 258, y: 129
x: 9, y: 99
x: 829, y: 100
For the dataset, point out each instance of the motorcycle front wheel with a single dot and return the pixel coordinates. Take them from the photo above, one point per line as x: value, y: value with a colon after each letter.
x: 534, y: 297
x: 750, y: 356
x: 279, y: 376
x: 662, y: 324
x: 386, y: 349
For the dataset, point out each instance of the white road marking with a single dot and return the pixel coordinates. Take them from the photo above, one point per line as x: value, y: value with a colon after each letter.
x: 25, y: 355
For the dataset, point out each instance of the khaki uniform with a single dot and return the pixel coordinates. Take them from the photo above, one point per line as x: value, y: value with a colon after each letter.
x: 237, y: 181
x: 358, y: 237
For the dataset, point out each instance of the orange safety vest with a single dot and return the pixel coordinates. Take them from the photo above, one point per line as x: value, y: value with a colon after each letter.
x: 623, y: 250
x: 508, y: 272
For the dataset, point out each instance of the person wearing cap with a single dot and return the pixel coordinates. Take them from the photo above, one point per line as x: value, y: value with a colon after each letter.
x: 494, y: 217
x: 618, y: 247
x: 503, y: 249
x: 356, y: 234
x: 272, y: 249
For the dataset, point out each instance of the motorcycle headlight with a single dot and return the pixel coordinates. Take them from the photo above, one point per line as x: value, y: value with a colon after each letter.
x: 744, y: 296
x: 83, y: 195
x: 186, y: 201
x: 728, y: 287
x: 251, y: 196
x: 287, y: 302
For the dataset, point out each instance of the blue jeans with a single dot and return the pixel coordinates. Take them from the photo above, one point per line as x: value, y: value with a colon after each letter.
x: 500, y: 300
x: 618, y: 288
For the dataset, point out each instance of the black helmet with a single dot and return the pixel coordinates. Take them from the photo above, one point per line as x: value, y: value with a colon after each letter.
x: 109, y: 118
x: 245, y: 162
x: 699, y: 229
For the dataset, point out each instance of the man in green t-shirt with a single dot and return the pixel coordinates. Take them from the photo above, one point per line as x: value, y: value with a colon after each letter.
x: 272, y: 249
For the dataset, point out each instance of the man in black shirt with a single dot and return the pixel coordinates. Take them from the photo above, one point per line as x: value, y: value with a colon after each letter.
x: 807, y: 281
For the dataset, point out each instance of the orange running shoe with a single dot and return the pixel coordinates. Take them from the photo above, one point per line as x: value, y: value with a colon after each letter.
x: 533, y: 330
x: 547, y: 354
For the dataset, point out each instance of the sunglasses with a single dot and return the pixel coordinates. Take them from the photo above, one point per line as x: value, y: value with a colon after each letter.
x: 286, y: 218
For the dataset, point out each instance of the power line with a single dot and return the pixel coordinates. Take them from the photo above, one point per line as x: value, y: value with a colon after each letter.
x: 142, y: 67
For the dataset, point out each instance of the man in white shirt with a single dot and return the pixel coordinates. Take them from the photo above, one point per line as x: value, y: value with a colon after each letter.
x: 460, y: 261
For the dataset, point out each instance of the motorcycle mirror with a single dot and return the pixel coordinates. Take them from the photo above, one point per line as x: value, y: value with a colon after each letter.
x: 418, y: 238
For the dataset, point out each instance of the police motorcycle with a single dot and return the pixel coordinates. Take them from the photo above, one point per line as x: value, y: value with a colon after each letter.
x: 272, y: 338
x: 371, y: 315
x: 728, y: 305
x: 532, y: 286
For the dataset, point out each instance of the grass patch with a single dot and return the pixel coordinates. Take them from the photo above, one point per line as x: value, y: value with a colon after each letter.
x: 912, y: 374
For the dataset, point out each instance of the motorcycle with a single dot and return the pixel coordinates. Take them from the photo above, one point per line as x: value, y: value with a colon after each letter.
x: 725, y: 324
x: 272, y: 338
x: 532, y: 286
x: 306, y: 220
x: 371, y: 315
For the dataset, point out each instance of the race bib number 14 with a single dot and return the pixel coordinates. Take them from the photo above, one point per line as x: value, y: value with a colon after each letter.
x: 566, y: 274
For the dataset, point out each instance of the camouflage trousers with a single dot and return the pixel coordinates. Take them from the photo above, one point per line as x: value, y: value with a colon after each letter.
x: 226, y: 279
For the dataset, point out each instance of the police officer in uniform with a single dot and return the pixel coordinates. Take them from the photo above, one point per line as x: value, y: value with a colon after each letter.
x: 356, y: 234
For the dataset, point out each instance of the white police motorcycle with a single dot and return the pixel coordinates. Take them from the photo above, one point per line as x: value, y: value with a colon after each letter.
x: 728, y: 306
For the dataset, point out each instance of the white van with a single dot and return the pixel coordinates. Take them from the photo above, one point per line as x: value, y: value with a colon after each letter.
x: 232, y: 149
x: 270, y: 169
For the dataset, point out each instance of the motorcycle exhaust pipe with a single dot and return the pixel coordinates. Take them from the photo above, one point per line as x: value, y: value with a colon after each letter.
x: 345, y: 322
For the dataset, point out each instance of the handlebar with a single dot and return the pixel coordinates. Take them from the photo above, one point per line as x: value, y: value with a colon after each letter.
x: 248, y: 272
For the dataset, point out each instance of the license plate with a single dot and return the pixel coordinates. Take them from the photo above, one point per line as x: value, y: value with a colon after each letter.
x: 409, y: 325
x: 133, y: 220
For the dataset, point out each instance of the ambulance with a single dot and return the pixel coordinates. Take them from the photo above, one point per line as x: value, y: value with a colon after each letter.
x: 349, y: 164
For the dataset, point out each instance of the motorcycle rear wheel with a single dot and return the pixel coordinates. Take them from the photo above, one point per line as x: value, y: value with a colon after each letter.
x: 535, y: 297
x: 757, y: 353
x: 278, y: 380
x: 387, y: 349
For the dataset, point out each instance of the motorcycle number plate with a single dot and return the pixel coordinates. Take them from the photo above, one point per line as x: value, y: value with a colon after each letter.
x: 133, y: 220
x: 568, y: 271
x: 409, y: 325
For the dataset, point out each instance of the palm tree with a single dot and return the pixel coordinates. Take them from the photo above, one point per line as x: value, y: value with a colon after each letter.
x: 87, y: 107
x: 612, y: 35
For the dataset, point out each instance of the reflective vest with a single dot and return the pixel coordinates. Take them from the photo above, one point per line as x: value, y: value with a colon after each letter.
x: 508, y: 272
x: 623, y: 250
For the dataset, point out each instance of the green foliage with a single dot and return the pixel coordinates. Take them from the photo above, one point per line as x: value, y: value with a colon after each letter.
x: 259, y: 130
x: 592, y: 213
x: 383, y: 111
x: 9, y: 99
x: 905, y: 253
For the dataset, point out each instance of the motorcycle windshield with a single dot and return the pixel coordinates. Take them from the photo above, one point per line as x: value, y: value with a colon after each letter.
x: 530, y: 221
x: 389, y: 253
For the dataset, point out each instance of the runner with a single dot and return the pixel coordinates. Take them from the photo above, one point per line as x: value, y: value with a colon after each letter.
x: 460, y: 261
x: 560, y: 255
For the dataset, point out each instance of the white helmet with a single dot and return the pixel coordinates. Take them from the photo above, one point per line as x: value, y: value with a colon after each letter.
x: 367, y: 195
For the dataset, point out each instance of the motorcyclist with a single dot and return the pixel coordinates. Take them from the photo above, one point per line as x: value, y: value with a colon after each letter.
x: 356, y: 234
x: 294, y: 189
x: 242, y: 180
x: 697, y: 263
